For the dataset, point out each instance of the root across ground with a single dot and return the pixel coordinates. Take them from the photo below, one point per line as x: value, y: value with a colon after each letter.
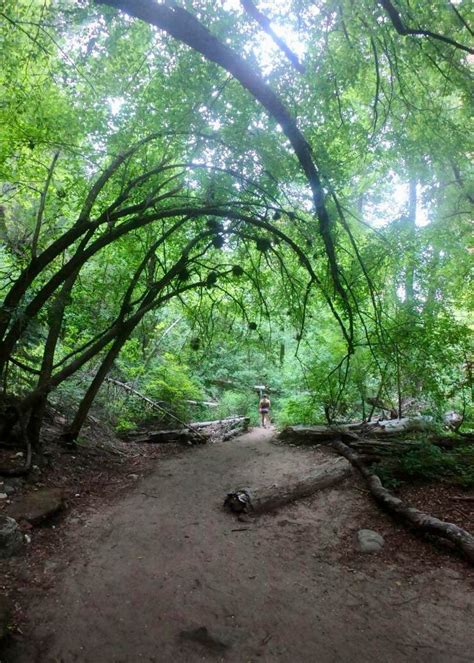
x: 165, y: 574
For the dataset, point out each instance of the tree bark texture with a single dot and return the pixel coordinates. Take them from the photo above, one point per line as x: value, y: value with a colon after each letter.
x: 268, y: 498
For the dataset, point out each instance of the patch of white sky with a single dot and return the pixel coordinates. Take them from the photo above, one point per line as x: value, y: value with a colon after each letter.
x: 115, y: 104
x: 263, y: 45
x: 392, y: 203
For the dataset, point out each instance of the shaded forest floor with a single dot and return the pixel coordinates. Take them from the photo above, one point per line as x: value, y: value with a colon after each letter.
x: 159, y: 572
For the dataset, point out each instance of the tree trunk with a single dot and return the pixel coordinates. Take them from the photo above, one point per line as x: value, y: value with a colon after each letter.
x: 55, y: 320
x: 411, y: 253
x: 81, y: 226
x: 260, y: 500
x: 85, y: 405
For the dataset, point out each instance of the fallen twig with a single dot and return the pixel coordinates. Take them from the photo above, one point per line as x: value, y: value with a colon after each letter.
x: 240, y: 529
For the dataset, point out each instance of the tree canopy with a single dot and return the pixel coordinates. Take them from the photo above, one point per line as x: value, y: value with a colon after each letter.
x: 201, y: 194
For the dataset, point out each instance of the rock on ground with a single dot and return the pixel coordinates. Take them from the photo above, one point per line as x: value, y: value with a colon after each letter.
x: 12, y: 485
x: 369, y: 541
x: 211, y: 641
x: 11, y: 538
x: 38, y: 506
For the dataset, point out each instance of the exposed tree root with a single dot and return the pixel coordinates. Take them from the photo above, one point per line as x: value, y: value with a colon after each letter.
x: 462, y: 540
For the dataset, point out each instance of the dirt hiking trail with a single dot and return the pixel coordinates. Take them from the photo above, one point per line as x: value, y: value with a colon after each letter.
x: 166, y: 575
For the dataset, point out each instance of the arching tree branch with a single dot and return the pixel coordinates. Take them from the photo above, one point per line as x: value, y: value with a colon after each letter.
x: 461, y: 17
x: 183, y: 26
x: 401, y: 28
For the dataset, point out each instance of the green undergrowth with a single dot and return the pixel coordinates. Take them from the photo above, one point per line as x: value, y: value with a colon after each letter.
x: 297, y: 409
x: 429, y: 463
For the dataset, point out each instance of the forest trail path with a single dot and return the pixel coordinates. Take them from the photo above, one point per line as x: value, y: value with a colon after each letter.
x: 165, y: 560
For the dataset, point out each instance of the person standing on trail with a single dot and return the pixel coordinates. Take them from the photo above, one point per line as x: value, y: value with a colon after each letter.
x: 264, y: 409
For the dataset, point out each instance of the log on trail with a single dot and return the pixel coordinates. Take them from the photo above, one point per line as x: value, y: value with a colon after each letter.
x: 384, y: 428
x: 229, y: 422
x: 462, y: 540
x: 373, y: 442
x: 196, y: 433
x: 260, y: 500
x: 314, y: 434
x: 177, y: 435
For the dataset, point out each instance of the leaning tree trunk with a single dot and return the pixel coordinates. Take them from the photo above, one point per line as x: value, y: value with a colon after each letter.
x: 462, y: 540
x: 259, y: 500
x: 85, y: 405
x: 55, y: 319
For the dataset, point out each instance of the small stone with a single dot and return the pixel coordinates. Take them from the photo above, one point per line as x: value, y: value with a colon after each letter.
x: 211, y: 640
x: 3, y: 496
x: 9, y: 489
x: 369, y: 541
x: 14, y: 483
x: 133, y: 476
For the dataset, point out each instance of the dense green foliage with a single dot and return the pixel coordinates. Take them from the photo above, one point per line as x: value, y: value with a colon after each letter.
x: 430, y: 463
x: 157, y: 228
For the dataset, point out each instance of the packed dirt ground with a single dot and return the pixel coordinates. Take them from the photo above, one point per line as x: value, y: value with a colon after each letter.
x: 160, y: 572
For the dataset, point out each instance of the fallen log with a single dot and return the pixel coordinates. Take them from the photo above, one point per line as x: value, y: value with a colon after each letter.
x: 260, y: 500
x: 196, y: 432
x: 229, y: 422
x: 206, y: 403
x: 408, y: 424
x: 380, y: 443
x: 462, y: 540
x: 314, y: 434
x: 178, y: 435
